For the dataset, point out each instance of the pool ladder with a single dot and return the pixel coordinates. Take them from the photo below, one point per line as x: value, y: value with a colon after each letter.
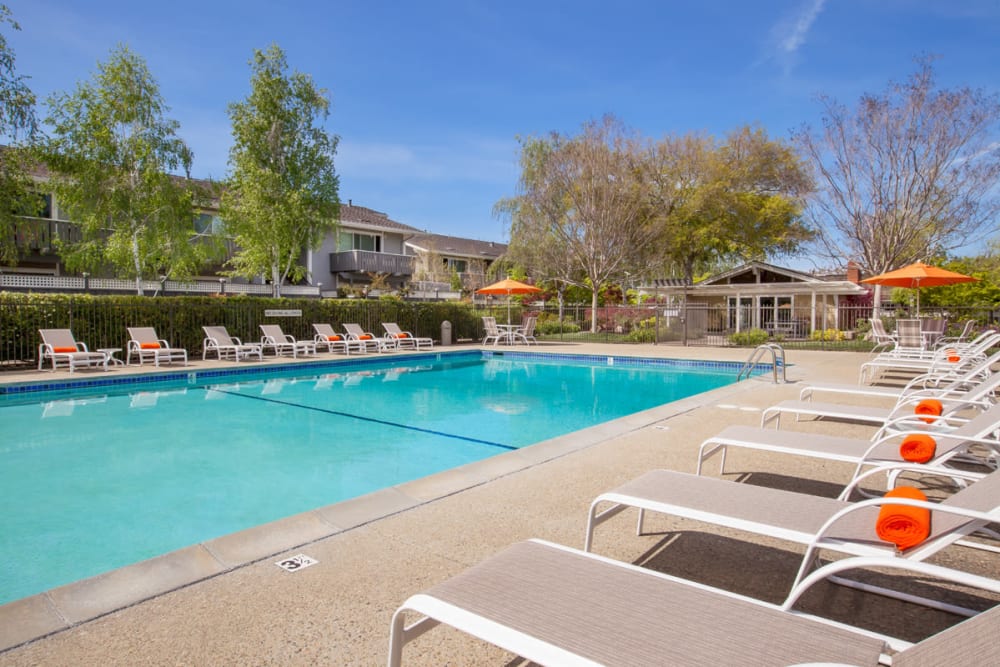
x: 777, y: 359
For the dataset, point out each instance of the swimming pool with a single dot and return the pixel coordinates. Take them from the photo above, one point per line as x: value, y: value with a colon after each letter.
x: 98, y: 476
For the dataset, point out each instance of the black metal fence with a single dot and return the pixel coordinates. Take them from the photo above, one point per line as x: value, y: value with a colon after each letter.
x: 101, y: 321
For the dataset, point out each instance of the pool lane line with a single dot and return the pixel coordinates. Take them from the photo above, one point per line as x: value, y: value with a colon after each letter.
x: 373, y: 420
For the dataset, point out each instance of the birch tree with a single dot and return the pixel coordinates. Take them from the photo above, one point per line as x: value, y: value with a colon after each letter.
x: 18, y: 126
x: 908, y: 174
x: 579, y: 217
x: 282, y: 196
x: 110, y: 155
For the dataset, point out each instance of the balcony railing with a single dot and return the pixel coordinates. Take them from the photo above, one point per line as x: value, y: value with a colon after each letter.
x: 365, y: 261
x: 39, y: 234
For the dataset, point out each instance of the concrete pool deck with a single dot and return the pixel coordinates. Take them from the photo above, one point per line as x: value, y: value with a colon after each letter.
x: 225, y: 601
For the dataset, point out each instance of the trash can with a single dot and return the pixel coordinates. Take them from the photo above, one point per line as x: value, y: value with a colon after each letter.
x: 446, y: 333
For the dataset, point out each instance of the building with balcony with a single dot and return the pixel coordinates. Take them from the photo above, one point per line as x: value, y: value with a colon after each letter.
x: 449, y: 262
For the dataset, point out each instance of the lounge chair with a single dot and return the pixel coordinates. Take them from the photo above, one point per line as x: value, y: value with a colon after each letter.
x: 927, y: 384
x: 366, y: 339
x: 218, y: 341
x: 883, y: 340
x: 333, y: 341
x: 815, y: 521
x: 405, y: 339
x: 61, y: 348
x: 554, y: 605
x: 909, y: 338
x: 492, y: 331
x: 145, y: 344
x: 880, y: 451
x: 978, y: 397
x: 954, y: 358
x: 276, y: 339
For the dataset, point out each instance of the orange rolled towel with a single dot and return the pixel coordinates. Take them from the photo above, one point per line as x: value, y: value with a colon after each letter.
x: 929, y: 406
x: 334, y: 338
x: 918, y: 448
x: 902, y: 525
x: 149, y: 346
x: 65, y: 350
x: 952, y: 355
x: 364, y: 337
x: 404, y: 335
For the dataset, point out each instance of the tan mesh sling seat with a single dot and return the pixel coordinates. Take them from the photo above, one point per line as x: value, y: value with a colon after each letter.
x: 62, y: 349
x: 553, y: 605
x: 146, y: 345
x: 365, y: 339
x: 814, y: 521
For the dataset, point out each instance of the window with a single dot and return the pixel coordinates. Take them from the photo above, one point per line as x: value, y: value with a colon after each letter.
x: 359, y: 241
x: 457, y: 265
x: 208, y: 224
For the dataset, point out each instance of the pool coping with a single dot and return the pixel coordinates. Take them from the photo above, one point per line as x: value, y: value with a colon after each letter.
x: 59, y: 609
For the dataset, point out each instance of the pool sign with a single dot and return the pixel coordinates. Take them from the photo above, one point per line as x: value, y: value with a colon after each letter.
x: 296, y: 563
x: 282, y: 313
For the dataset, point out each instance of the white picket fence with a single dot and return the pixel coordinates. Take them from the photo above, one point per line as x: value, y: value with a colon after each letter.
x: 45, y: 283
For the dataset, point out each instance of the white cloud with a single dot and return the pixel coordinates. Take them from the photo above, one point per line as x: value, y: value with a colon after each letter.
x: 792, y: 33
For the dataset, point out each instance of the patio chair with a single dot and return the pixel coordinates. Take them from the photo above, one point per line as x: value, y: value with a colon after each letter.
x: 492, y: 331
x: 814, y: 521
x: 366, y: 339
x: 932, y: 330
x: 908, y: 337
x: 883, y: 451
x: 527, y: 331
x: 276, y: 339
x: 218, y: 341
x: 962, y: 337
x: 883, y: 339
x: 405, y: 339
x: 978, y: 396
x: 145, y: 344
x: 554, y: 605
x: 333, y: 341
x: 61, y: 348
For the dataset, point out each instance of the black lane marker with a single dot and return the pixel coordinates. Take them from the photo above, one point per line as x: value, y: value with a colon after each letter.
x: 366, y: 419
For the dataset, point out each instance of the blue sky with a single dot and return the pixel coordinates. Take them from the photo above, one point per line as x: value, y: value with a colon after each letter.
x: 430, y: 97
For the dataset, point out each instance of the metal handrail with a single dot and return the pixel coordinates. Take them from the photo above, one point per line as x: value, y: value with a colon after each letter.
x: 777, y: 359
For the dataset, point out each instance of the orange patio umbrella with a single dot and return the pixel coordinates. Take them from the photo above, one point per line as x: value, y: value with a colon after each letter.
x: 508, y: 286
x: 919, y: 275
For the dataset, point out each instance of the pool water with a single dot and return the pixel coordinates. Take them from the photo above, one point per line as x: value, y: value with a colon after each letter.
x: 93, y: 480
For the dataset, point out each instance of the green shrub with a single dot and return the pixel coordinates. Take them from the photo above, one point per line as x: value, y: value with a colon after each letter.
x: 750, y: 337
x: 827, y: 334
x: 552, y: 325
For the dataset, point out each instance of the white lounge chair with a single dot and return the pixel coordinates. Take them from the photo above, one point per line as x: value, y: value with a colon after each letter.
x: 554, y: 605
x: 365, y: 339
x: 333, y: 341
x: 405, y: 339
x: 276, y: 339
x: 814, y: 521
x: 943, y: 359
x: 218, y: 341
x: 145, y: 344
x: 61, y: 348
x: 925, y: 384
x: 977, y: 397
x: 881, y: 451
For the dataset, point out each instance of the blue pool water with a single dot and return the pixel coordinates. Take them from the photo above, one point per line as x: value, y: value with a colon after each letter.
x: 96, y: 478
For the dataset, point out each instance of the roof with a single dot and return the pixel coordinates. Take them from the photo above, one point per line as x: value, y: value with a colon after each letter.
x: 454, y: 246
x: 759, y: 278
x: 360, y: 217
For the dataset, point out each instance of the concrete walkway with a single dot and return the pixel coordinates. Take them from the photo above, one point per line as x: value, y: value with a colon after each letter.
x: 225, y: 602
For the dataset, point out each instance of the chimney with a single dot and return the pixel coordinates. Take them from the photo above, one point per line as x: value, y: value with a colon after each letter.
x: 350, y: 203
x: 853, y: 272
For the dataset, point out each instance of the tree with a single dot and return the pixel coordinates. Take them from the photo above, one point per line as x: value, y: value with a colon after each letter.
x: 18, y: 124
x: 910, y: 173
x: 714, y: 202
x: 579, y: 215
x: 282, y: 195
x: 110, y: 155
